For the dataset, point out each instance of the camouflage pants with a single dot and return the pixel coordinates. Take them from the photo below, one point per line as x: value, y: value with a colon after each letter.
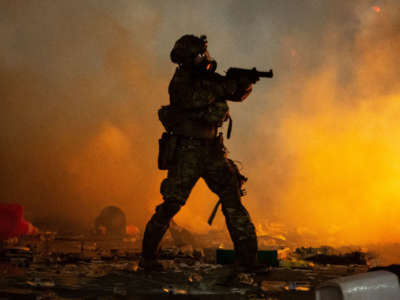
x: 195, y: 159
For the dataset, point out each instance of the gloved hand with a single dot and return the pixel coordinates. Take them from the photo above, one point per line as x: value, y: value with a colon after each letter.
x: 244, y: 85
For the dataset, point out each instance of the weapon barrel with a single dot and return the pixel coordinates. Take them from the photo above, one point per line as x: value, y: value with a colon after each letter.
x: 252, y: 74
x: 268, y: 74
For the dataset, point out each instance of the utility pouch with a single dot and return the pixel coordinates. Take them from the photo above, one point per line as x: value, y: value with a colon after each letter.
x: 167, y: 146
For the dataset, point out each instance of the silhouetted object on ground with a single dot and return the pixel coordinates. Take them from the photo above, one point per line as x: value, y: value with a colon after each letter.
x: 12, y: 222
x: 181, y: 236
x: 353, y: 258
x: 111, y: 221
x: 392, y: 268
x: 373, y: 285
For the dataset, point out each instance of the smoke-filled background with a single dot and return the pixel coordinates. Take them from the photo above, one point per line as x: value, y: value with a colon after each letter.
x: 81, y: 82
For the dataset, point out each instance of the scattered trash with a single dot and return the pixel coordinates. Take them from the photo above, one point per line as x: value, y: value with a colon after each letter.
x: 181, y: 236
x: 284, y: 253
x: 12, y: 222
x: 133, y: 266
x: 18, y: 251
x: 372, y: 285
x: 198, y: 253
x: 296, y: 264
x: 167, y: 264
x: 186, y: 250
x: 329, y: 255
x: 56, y: 262
x: 353, y: 258
x: 38, y: 283
x: 246, y: 278
x: 305, y: 252
x: 195, y: 277
x: 95, y: 271
x: 132, y: 230
x: 47, y: 295
x: 238, y: 291
x: 174, y: 291
x: 118, y: 290
x: 272, y: 286
x: 169, y: 253
x: 296, y: 286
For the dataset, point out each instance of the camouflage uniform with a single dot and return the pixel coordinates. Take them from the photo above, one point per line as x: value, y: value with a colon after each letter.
x: 201, y: 98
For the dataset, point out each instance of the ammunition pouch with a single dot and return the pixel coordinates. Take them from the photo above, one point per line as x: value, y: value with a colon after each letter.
x: 186, y: 123
x: 167, y: 146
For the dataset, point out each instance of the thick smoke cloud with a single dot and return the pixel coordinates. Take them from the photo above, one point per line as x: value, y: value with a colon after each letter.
x: 81, y: 82
x: 78, y: 107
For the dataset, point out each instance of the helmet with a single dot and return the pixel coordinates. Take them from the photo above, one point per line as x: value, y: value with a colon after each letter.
x: 191, y: 51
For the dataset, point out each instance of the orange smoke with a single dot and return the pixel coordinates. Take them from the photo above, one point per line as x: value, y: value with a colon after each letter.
x: 339, y: 146
x: 345, y: 177
x: 80, y: 125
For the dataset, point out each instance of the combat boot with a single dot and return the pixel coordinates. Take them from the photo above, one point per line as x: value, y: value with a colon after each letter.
x: 151, y: 246
x: 151, y: 265
x: 253, y: 268
x: 246, y: 257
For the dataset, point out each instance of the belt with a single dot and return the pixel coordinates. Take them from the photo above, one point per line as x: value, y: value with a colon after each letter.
x: 196, y: 129
x: 201, y: 141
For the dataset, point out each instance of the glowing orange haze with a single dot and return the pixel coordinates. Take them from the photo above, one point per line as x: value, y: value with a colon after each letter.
x: 332, y: 175
x: 345, y: 178
x: 344, y: 144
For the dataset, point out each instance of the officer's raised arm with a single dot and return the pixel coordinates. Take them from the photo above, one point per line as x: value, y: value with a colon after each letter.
x: 243, y: 88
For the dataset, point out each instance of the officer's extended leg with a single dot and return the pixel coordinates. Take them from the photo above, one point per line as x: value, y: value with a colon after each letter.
x: 222, y: 180
x: 175, y: 190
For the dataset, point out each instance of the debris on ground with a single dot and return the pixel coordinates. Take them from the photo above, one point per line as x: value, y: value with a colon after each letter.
x: 272, y: 286
x: 371, y: 285
x: 181, y: 236
x: 69, y: 266
x: 328, y: 255
x: 12, y: 222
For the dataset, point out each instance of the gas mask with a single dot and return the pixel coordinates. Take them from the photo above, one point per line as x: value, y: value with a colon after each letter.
x: 191, y: 52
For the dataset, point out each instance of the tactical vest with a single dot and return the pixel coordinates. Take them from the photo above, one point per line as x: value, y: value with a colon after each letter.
x: 188, y: 123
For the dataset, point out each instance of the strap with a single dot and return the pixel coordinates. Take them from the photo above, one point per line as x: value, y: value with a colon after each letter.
x: 228, y: 135
x: 213, y: 213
